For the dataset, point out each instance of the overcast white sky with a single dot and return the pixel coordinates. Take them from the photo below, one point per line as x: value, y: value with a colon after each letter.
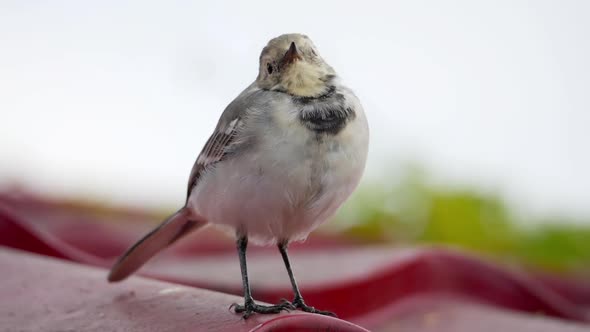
x: 114, y: 99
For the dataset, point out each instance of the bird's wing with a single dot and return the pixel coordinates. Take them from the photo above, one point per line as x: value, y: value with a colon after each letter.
x: 224, y: 140
x: 182, y: 222
x: 214, y: 150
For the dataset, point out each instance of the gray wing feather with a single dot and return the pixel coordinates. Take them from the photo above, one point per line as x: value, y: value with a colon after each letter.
x: 214, y: 151
x: 224, y: 136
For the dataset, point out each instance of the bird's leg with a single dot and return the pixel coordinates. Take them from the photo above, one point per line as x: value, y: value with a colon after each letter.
x: 250, y: 306
x: 298, y: 300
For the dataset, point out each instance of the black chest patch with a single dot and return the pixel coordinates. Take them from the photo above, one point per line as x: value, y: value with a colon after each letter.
x: 327, y: 120
x: 326, y: 114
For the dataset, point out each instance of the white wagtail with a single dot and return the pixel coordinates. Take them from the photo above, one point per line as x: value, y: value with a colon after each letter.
x: 286, y: 153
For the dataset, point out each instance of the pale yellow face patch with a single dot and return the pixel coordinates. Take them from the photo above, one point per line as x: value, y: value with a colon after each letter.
x: 304, y: 79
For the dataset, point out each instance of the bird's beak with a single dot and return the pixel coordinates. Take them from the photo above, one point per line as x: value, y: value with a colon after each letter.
x: 290, y: 56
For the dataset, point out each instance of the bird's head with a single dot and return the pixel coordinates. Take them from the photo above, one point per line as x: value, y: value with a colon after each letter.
x: 291, y: 63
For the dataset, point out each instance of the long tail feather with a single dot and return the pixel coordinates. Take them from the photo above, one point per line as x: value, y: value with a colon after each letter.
x: 172, y: 229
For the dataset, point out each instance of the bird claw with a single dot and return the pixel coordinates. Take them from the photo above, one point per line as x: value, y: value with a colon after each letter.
x: 300, y: 304
x: 249, y: 308
x: 287, y: 304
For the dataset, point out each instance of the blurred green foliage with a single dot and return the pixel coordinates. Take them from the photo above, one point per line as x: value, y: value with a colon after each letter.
x: 410, y: 211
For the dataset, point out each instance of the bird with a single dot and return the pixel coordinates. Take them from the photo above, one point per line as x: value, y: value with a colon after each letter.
x: 286, y: 153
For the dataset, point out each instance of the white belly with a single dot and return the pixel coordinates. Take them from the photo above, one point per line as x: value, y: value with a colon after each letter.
x: 288, y: 188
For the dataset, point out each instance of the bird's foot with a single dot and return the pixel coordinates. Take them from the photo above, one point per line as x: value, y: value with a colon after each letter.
x: 249, y: 308
x: 300, y: 304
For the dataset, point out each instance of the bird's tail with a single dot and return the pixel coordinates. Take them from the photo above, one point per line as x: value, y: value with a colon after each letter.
x: 172, y: 229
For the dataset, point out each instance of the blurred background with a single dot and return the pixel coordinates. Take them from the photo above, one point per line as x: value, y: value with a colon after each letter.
x: 479, y: 112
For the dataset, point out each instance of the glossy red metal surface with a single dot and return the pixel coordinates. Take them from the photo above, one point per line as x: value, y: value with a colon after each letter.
x: 366, y: 285
x: 44, y: 294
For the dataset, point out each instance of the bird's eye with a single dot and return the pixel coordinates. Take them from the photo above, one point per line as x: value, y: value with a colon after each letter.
x: 269, y: 68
